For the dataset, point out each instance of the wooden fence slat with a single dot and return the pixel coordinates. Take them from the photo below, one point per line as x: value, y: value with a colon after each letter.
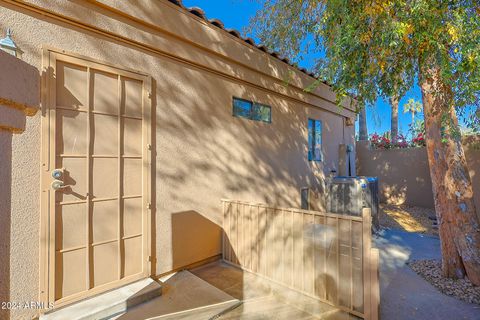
x: 247, y: 236
x: 331, y: 263
x: 284, y: 252
x: 302, y: 250
x: 297, y: 251
x: 225, y: 232
x: 308, y: 241
x: 241, y: 230
x: 269, y: 241
x: 325, y: 258
x: 344, y: 268
x: 375, y: 285
x: 235, y: 226
x: 255, y: 234
x: 337, y: 266
x: 230, y: 223
x: 263, y: 240
x: 350, y: 237
x: 278, y: 245
x: 320, y: 257
x: 292, y: 237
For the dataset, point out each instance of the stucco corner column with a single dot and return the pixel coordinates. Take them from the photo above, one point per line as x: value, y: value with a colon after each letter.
x: 19, y: 98
x: 19, y: 92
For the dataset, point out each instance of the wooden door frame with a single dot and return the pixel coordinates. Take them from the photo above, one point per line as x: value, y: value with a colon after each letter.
x: 47, y: 198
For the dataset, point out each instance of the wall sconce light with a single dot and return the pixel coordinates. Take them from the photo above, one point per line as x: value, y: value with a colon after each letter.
x: 8, y: 45
x: 349, y: 122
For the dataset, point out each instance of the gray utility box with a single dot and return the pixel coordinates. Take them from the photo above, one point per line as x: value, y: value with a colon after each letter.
x: 349, y: 195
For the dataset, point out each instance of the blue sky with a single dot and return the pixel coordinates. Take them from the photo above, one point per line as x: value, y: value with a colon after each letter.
x: 236, y: 14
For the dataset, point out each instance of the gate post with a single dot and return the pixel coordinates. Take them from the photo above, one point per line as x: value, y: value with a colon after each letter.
x: 367, y: 243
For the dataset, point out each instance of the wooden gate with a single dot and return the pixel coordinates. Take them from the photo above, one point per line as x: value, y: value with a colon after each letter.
x: 95, y: 177
x: 325, y: 256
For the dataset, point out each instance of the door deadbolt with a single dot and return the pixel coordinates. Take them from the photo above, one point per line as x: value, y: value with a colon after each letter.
x: 57, y: 173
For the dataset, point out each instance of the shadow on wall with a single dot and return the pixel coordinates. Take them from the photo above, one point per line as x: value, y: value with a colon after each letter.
x: 404, y: 176
x: 194, y: 238
x: 5, y: 211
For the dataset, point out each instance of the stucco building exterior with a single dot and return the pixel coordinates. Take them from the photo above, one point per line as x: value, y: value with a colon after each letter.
x: 133, y: 102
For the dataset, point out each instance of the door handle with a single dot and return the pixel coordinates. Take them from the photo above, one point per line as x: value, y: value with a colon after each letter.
x: 58, y: 185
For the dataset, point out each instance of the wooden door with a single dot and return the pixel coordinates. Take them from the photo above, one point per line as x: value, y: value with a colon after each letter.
x: 96, y: 177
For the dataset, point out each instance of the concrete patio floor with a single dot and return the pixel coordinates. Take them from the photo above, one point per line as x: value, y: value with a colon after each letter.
x: 262, y: 299
x: 404, y: 294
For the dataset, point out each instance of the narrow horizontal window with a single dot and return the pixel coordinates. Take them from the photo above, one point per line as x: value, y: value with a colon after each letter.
x: 252, y: 110
x: 314, y: 140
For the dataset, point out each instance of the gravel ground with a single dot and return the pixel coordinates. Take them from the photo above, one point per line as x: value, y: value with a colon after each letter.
x: 431, y: 271
x: 406, y: 218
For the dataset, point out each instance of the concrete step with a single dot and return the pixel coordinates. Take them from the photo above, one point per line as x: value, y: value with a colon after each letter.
x: 109, y: 304
x: 185, y: 296
x: 203, y: 313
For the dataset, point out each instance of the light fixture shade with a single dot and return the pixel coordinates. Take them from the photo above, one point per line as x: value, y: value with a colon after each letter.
x: 8, y: 45
x: 349, y: 122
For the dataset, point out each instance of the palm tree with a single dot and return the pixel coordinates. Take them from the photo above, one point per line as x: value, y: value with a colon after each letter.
x: 362, y: 118
x: 413, y: 107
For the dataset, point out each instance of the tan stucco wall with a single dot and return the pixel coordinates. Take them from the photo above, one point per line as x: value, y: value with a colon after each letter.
x: 203, y: 154
x: 404, y: 175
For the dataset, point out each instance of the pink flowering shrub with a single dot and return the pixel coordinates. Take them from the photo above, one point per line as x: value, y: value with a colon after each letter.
x: 401, y: 142
x: 419, y: 140
x: 385, y: 142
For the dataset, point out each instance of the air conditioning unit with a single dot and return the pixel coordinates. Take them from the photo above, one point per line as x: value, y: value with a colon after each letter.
x: 310, y: 199
x: 349, y: 195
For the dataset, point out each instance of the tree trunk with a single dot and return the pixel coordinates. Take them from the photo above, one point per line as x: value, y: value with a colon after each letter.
x: 452, y: 186
x: 394, y: 123
x: 362, y: 119
x: 413, y: 123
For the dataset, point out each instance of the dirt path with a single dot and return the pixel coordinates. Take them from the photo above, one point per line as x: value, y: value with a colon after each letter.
x: 406, y: 218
